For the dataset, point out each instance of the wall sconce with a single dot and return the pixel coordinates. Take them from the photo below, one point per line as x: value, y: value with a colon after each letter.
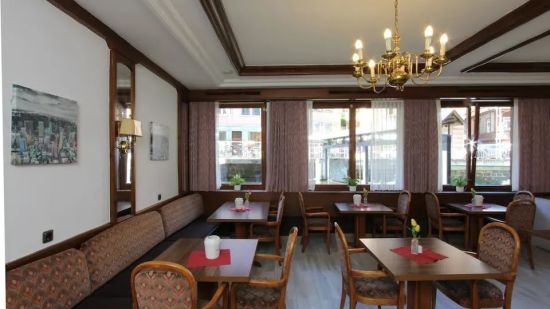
x: 130, y: 129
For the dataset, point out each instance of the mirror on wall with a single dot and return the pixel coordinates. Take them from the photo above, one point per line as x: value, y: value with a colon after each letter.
x: 122, y: 156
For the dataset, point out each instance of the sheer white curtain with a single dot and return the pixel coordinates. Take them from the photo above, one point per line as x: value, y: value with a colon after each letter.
x: 386, y: 145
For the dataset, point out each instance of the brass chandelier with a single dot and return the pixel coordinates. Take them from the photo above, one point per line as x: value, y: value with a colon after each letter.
x: 396, y: 68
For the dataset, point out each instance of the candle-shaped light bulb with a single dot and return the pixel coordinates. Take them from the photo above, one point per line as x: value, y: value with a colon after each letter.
x: 428, y: 34
x: 359, y: 48
x: 387, y: 37
x: 355, y: 57
x: 443, y: 41
x: 372, y: 64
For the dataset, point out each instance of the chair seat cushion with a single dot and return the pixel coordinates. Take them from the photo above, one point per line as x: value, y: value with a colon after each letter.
x: 384, y: 287
x: 451, y: 222
x: 459, y: 291
x: 249, y: 297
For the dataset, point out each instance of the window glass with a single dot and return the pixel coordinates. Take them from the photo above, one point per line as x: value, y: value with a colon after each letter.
x: 242, y: 154
x: 454, y: 143
x: 329, y: 145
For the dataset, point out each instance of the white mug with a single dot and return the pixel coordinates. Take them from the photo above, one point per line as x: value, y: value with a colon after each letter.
x: 477, y: 200
x: 357, y: 199
x: 239, y: 202
x: 212, y: 247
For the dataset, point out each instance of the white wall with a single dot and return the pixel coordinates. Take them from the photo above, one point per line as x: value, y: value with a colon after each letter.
x: 156, y: 101
x: 46, y: 50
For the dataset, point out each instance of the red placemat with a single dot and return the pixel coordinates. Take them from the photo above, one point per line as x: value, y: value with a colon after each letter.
x: 474, y: 206
x: 198, y: 259
x: 426, y: 257
x: 240, y: 209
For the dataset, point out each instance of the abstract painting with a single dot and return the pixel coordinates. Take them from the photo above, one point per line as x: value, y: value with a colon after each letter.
x: 159, y: 141
x: 43, y: 128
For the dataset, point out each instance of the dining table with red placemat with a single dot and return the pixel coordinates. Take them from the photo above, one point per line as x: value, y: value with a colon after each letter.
x: 360, y: 212
x: 438, y: 261
x: 476, y: 215
x: 242, y: 217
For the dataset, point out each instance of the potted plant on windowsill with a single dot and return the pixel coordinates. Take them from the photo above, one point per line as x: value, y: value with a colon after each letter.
x: 460, y: 182
x: 236, y: 181
x: 352, y: 183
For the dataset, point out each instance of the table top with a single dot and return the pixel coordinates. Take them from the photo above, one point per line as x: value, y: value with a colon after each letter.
x: 372, y: 208
x: 242, y: 255
x: 258, y: 213
x: 457, y: 266
x: 491, y: 208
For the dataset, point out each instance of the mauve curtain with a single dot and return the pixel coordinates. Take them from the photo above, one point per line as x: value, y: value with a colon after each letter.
x: 534, y: 144
x: 421, y: 146
x: 202, y: 146
x: 287, y: 146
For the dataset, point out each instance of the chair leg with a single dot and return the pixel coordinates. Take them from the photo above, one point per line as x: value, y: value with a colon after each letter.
x: 530, y: 252
x: 352, y: 303
x: 277, y: 246
x: 342, y: 295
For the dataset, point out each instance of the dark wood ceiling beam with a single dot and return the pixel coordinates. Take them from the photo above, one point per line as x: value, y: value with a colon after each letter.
x: 218, y: 18
x: 514, y: 67
x: 495, y: 56
x: 114, y: 41
x: 508, y: 22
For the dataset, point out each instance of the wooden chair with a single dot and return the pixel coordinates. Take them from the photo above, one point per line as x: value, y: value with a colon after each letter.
x: 315, y: 220
x: 265, y: 293
x: 179, y: 288
x: 444, y: 221
x: 524, y: 195
x: 270, y: 231
x: 367, y: 287
x: 520, y: 214
x: 498, y: 246
x: 397, y: 221
x: 273, y: 207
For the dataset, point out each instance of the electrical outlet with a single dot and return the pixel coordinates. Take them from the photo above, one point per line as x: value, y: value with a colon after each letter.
x: 47, y: 236
x: 159, y: 196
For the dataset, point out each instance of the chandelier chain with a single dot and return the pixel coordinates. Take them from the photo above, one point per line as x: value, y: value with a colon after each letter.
x: 396, y: 18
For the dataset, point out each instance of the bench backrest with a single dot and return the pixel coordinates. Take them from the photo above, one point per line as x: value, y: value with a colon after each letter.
x: 114, y: 249
x: 57, y: 281
x: 181, y: 212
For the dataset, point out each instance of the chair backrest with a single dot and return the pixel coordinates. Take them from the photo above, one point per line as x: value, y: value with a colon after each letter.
x: 403, y: 203
x: 302, y: 205
x: 432, y: 207
x: 160, y: 284
x: 280, y: 209
x: 524, y: 195
x: 343, y: 254
x: 499, y: 247
x: 289, y: 253
x: 520, y: 214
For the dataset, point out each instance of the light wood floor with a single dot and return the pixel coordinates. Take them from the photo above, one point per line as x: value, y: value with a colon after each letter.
x: 315, y: 278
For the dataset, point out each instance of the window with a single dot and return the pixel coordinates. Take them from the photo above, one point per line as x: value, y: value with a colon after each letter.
x: 487, y: 164
x: 347, y: 140
x: 243, y: 153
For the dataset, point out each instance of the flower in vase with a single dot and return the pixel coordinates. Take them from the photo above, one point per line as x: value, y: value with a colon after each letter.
x: 415, y: 228
x: 247, y: 195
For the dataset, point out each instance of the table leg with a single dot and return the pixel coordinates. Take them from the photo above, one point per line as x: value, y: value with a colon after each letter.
x: 476, y: 222
x: 420, y: 295
x: 359, y: 229
x: 241, y: 230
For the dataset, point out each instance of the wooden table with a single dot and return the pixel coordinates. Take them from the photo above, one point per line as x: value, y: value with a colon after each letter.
x: 475, y: 218
x: 360, y: 214
x: 242, y: 256
x: 257, y: 214
x: 457, y: 266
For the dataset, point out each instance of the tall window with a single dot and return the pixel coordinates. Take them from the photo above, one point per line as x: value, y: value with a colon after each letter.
x: 241, y: 143
x: 354, y: 139
x: 483, y: 156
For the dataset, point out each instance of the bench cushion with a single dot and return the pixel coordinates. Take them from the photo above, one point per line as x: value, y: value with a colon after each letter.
x: 181, y: 212
x: 57, y: 281
x: 112, y: 250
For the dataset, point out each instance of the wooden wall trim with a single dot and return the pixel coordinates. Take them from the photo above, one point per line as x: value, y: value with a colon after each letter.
x: 513, y: 67
x: 495, y: 56
x: 114, y: 41
x: 356, y: 93
x: 510, y: 21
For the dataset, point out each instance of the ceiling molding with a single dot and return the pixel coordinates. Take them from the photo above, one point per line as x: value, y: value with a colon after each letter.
x: 175, y: 23
x: 483, y: 62
x: 514, y: 67
x: 279, y: 70
x: 114, y: 41
x: 508, y: 22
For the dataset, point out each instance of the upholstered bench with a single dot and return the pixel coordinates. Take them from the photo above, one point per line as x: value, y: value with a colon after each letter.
x: 186, y: 212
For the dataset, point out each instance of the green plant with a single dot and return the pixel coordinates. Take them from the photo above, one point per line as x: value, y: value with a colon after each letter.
x: 350, y: 181
x: 365, y: 193
x: 460, y: 181
x: 236, y: 180
x: 415, y: 228
x: 247, y: 195
x: 473, y: 192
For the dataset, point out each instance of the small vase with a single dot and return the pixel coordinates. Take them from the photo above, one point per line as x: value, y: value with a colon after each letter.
x: 353, y: 188
x: 459, y: 189
x: 212, y: 247
x: 246, y: 204
x: 414, y: 245
x: 237, y: 187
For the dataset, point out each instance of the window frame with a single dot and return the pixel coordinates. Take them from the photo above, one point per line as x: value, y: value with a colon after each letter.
x: 473, y: 134
x: 263, y: 117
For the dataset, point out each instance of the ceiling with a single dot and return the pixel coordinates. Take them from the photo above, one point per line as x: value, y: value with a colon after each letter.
x: 179, y: 37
